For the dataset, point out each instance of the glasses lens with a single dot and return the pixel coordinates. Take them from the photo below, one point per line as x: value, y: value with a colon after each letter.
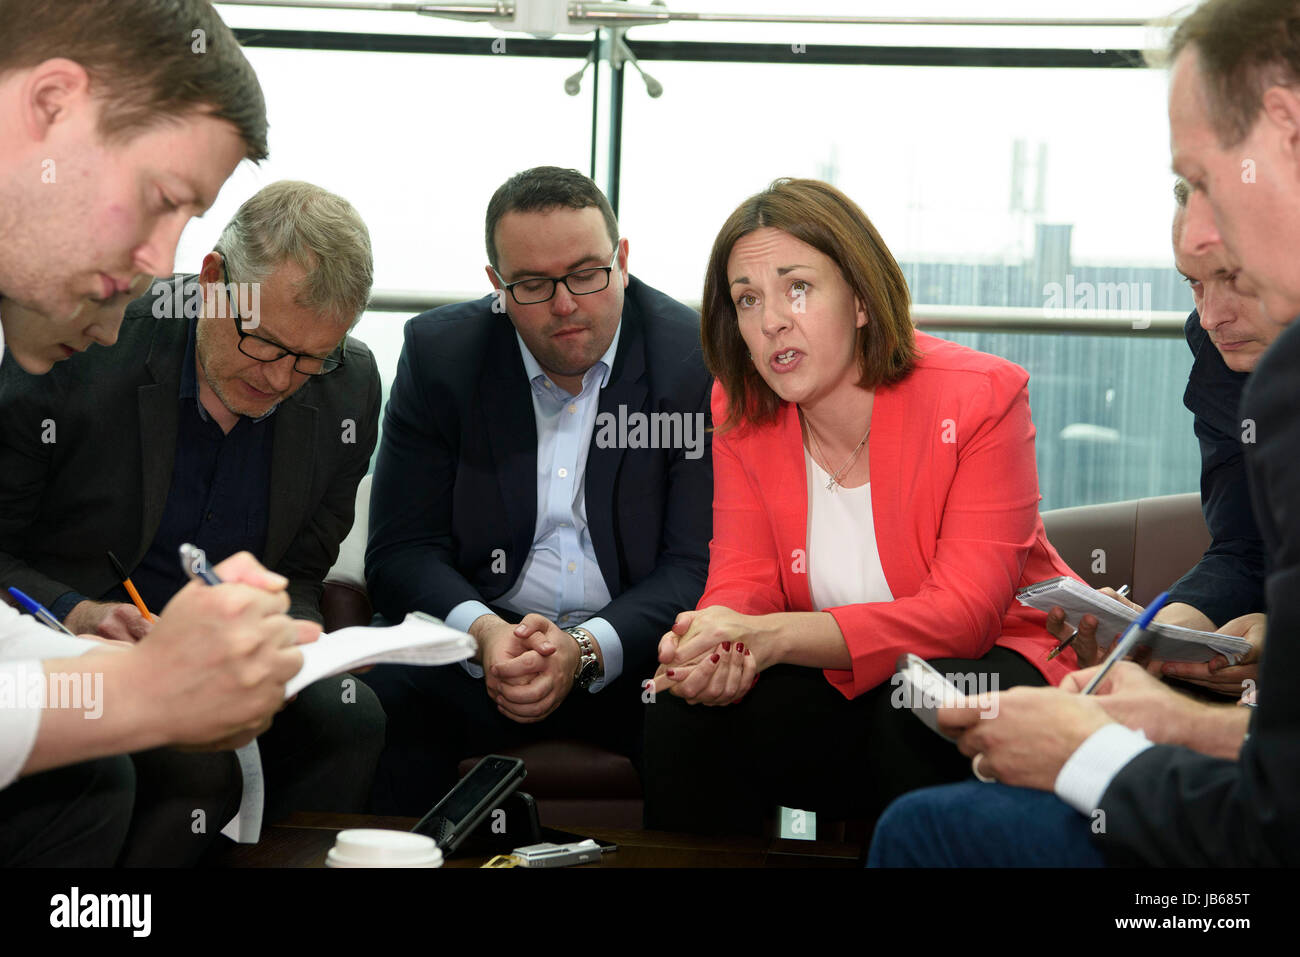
x: 587, y: 281
x: 310, y: 365
x: 260, y: 349
x: 533, y: 290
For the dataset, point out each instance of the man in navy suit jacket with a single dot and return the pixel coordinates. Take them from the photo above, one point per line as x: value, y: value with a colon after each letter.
x: 544, y: 482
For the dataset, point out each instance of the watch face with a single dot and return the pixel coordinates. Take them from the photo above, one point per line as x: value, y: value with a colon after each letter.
x: 588, y: 674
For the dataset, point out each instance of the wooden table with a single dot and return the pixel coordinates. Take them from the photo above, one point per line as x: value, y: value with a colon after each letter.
x: 304, y: 839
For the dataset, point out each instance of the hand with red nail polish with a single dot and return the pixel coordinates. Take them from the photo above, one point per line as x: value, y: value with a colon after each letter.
x: 712, y: 656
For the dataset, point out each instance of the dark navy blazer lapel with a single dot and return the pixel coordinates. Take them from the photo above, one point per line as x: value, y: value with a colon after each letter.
x: 507, y: 403
x: 626, y: 388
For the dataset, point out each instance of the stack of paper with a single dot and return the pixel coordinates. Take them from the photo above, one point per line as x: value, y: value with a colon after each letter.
x: 1167, y: 642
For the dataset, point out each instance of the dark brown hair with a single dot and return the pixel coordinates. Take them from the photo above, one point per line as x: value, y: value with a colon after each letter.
x: 147, y: 61
x: 820, y: 215
x: 1244, y: 47
x: 540, y: 189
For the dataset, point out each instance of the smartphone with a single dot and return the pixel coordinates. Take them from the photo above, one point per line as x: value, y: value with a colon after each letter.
x: 473, y: 798
x: 923, y: 689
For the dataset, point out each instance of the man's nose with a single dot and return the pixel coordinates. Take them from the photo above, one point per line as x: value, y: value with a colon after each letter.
x: 563, y: 302
x: 1199, y: 232
x: 280, y: 372
x: 157, y: 255
x: 1213, y: 306
x: 107, y: 324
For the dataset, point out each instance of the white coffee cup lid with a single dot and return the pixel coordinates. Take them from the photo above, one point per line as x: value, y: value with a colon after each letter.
x: 371, y: 847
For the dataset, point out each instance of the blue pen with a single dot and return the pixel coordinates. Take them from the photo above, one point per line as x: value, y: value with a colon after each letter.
x: 39, y: 611
x: 1128, y: 640
x: 195, y: 563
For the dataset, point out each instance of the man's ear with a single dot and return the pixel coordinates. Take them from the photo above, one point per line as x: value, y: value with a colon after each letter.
x: 1281, y: 108
x: 492, y: 277
x: 53, y: 92
x: 211, y: 269
x: 622, y: 260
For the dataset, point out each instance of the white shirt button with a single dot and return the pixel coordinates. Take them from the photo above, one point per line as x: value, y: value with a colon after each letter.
x: 562, y: 473
x: 573, y: 566
x: 572, y: 409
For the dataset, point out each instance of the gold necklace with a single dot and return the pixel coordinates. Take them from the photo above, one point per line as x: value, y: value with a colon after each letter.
x: 834, y: 480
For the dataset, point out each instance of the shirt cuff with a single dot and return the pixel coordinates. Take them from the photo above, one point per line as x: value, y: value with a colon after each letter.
x: 1088, y: 772
x: 611, y: 650
x: 460, y: 618
x: 64, y: 604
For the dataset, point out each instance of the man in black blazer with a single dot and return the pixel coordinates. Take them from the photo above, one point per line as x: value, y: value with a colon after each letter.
x: 1227, y: 334
x: 546, y: 458
x: 1198, y: 784
x: 233, y: 413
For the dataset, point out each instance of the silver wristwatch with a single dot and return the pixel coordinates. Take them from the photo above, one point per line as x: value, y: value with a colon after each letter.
x: 589, y: 670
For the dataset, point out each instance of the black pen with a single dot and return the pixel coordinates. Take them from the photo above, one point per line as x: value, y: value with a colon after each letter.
x: 1123, y: 593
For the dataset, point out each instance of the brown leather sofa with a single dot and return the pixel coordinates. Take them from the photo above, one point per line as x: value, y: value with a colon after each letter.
x: 1145, y: 543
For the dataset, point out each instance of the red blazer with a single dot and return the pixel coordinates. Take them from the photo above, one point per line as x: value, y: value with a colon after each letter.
x: 954, y: 498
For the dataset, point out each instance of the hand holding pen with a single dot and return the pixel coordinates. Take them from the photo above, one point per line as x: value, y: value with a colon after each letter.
x: 1082, y: 638
x: 215, y: 664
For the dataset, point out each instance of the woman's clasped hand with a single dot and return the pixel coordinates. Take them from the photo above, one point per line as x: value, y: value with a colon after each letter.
x: 711, y: 656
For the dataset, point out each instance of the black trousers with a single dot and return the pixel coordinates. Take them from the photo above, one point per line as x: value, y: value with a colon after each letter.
x: 74, y: 816
x: 795, y: 741
x: 318, y: 755
x: 439, y: 716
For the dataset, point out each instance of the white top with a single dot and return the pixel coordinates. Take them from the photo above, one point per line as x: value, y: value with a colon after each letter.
x: 23, y: 643
x: 843, y: 558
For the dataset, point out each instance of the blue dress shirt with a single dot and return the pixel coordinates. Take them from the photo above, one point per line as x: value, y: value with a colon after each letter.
x: 561, y: 578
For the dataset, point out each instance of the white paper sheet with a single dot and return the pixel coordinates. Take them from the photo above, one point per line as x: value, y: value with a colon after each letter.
x: 246, y: 826
x: 419, y: 640
x: 1167, y: 642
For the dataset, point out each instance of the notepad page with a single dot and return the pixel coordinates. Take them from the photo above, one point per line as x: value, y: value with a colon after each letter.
x: 1167, y: 642
x: 416, y: 641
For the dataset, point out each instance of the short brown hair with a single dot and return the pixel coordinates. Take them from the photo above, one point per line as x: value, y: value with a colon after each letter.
x: 541, y: 189
x: 1244, y: 47
x: 820, y: 215
x: 142, y: 61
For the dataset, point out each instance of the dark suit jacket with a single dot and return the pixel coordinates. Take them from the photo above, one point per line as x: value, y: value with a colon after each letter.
x: 102, y: 482
x: 1172, y: 806
x: 455, y: 485
x: 1228, y: 581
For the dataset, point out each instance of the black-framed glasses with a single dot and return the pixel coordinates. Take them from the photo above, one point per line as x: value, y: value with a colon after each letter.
x: 264, y: 350
x: 583, y: 282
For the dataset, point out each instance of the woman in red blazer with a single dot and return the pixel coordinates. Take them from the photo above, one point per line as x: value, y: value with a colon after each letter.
x: 875, y: 493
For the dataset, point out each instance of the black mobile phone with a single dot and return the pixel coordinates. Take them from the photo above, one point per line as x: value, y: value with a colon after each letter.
x: 473, y: 798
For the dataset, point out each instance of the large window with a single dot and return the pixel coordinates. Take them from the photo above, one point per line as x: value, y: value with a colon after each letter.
x: 1011, y: 186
